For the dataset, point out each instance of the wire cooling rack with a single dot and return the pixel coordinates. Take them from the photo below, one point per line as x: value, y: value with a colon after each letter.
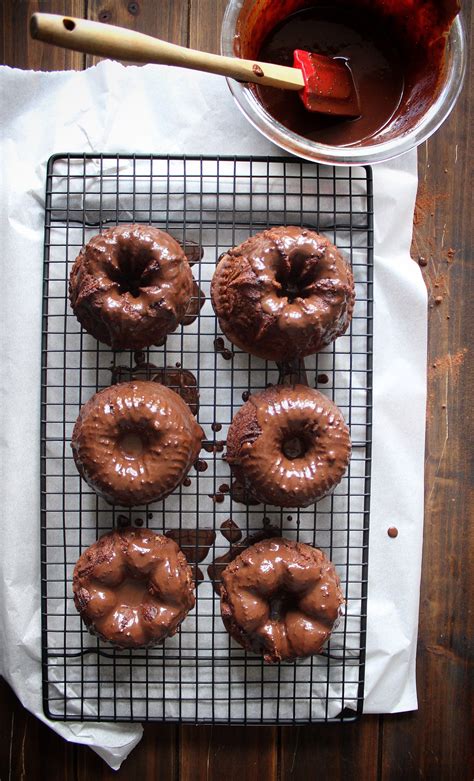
x: 201, y: 674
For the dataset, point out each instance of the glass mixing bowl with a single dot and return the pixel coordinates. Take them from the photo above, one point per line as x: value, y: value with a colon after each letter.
x: 370, y: 152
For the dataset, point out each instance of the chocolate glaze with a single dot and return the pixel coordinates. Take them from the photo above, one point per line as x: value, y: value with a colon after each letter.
x: 200, y: 465
x: 375, y: 62
x: 239, y: 493
x: 281, y: 599
x: 288, y: 446
x: 219, y: 347
x: 214, y: 447
x: 323, y: 379
x: 133, y: 587
x: 231, y: 531
x: 181, y: 381
x: 195, y: 543
x: 216, y: 426
x: 284, y: 293
x: 396, y: 53
x: 133, y: 443
x: 219, y: 564
x: 193, y: 251
x: 195, y: 305
x: 130, y: 286
x: 217, y: 498
x: 392, y: 531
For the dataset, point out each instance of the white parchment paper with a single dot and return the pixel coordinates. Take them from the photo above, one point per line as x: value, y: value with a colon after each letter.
x: 110, y: 108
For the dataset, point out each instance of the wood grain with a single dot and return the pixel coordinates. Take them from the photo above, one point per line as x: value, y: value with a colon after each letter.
x: 330, y: 751
x: 28, y: 749
x: 167, y: 19
x: 228, y: 753
x: 434, y: 743
x: 206, y: 37
x: 20, y: 51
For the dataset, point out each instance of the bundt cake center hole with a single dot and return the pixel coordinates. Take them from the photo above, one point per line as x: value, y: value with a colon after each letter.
x: 294, y: 277
x: 295, y: 446
x: 131, y: 592
x: 132, y: 443
x: 280, y: 604
x: 131, y: 266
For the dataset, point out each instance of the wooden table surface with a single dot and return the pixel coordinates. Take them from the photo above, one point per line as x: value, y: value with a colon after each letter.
x: 432, y: 743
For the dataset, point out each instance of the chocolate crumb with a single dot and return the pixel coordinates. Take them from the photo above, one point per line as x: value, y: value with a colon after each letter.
x: 323, y: 379
x: 438, y: 299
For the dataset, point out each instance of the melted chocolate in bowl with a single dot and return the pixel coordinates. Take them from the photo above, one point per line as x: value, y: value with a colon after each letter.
x: 376, y: 65
x: 396, y: 50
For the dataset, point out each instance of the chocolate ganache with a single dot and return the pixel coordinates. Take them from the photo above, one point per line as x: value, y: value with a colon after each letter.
x: 133, y: 587
x: 281, y: 599
x: 130, y: 286
x: 284, y: 293
x: 288, y: 446
x: 134, y: 442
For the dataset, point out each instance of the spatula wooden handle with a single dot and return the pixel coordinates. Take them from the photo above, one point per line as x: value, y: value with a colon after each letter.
x: 107, y: 40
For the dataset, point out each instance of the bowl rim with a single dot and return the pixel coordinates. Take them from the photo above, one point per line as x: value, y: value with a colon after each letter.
x: 350, y: 155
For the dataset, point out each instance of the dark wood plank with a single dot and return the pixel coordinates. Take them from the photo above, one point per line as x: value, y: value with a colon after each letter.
x: 20, y: 51
x: 28, y: 749
x: 346, y: 752
x: 155, y: 757
x: 205, y: 22
x: 434, y: 743
x: 167, y: 19
x: 230, y: 753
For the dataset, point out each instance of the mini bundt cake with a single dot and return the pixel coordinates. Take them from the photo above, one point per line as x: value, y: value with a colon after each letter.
x: 133, y: 587
x: 130, y: 286
x: 281, y: 599
x: 284, y: 293
x: 134, y: 442
x: 288, y: 446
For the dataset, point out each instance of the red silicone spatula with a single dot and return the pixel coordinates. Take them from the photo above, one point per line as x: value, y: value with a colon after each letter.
x: 325, y: 84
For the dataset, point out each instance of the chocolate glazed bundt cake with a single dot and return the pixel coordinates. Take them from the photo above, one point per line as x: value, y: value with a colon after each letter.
x: 281, y: 599
x: 288, y: 446
x: 133, y: 587
x: 134, y: 442
x: 283, y: 294
x: 130, y: 286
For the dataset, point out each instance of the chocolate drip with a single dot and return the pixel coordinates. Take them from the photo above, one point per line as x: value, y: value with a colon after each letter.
x: 193, y: 251
x: 196, y: 303
x: 181, y: 381
x: 219, y: 564
x: 231, y: 531
x: 195, y: 543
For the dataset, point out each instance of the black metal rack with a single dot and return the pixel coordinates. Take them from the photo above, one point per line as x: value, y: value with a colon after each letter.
x: 200, y: 675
